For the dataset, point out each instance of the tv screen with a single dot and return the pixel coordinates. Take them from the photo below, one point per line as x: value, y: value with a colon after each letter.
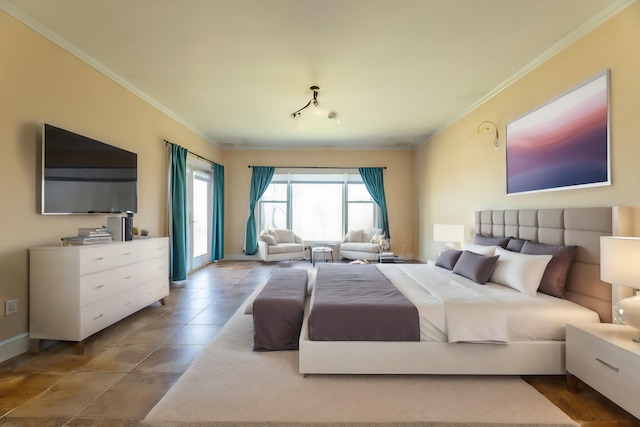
x: 81, y: 175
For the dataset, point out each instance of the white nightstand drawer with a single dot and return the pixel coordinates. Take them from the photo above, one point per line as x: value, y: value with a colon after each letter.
x: 595, y: 357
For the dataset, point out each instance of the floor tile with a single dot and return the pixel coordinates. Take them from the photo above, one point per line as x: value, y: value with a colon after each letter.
x: 195, y: 334
x: 70, y: 396
x: 120, y: 358
x: 17, y: 388
x: 169, y: 359
x: 132, y: 397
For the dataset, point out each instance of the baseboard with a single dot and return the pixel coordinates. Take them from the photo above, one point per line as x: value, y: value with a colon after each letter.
x: 241, y: 257
x: 14, y: 346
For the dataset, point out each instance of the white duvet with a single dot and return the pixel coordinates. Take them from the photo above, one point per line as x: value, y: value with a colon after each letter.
x: 455, y: 309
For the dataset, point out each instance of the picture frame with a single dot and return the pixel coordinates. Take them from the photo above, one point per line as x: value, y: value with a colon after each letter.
x: 562, y: 144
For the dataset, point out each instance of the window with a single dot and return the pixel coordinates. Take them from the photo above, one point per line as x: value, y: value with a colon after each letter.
x: 318, y: 207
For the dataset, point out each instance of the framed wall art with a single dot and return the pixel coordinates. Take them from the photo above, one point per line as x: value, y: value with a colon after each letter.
x: 564, y: 143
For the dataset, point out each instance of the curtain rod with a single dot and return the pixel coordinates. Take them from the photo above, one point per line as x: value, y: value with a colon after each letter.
x: 191, y: 152
x: 318, y: 167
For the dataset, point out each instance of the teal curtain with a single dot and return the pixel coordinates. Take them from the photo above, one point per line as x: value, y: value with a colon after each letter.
x: 217, y: 226
x: 373, y: 180
x: 260, y: 180
x: 178, y: 212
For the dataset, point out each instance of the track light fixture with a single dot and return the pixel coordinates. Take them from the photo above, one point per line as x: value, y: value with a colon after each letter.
x: 313, y: 100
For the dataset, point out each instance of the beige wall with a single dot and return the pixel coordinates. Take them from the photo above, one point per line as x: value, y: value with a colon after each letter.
x: 40, y: 82
x: 397, y: 181
x: 456, y: 175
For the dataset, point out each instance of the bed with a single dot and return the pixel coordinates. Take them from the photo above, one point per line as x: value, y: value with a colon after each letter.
x: 524, y: 344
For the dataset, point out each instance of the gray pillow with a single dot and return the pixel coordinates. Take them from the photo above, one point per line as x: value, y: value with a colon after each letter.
x: 515, y: 245
x: 447, y: 259
x: 479, y: 239
x: 475, y: 266
x: 555, y: 276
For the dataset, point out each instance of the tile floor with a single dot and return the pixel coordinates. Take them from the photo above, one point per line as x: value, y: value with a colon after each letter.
x: 128, y: 367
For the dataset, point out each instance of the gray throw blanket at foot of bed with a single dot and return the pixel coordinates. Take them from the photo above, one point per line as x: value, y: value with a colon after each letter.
x: 358, y: 303
x: 278, y: 311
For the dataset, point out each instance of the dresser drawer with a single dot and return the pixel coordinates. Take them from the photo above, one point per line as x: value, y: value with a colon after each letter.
x: 97, y: 286
x: 152, y: 269
x: 153, y: 291
x: 605, y: 366
x: 105, y: 257
x: 153, y: 248
x: 103, y: 313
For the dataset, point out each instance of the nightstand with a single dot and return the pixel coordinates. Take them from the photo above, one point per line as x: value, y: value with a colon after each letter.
x: 604, y: 356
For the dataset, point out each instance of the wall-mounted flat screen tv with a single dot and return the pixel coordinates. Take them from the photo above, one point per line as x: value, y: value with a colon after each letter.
x: 83, y: 176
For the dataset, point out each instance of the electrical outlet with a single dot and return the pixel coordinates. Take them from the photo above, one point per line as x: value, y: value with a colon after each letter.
x: 402, y: 247
x: 240, y: 242
x: 10, y: 307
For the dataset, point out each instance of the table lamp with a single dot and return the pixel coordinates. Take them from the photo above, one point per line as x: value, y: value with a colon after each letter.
x: 620, y: 265
x: 452, y: 234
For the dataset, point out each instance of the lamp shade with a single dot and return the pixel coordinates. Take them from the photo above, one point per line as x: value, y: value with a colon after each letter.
x: 620, y: 261
x: 450, y: 233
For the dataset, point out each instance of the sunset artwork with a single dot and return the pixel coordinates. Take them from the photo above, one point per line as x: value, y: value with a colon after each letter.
x: 563, y: 144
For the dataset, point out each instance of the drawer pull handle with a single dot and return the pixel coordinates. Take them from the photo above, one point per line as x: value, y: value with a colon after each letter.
x: 128, y: 277
x: 607, y: 365
x: 99, y: 286
x: 98, y: 316
x: 129, y: 302
x: 128, y: 253
x: 98, y: 259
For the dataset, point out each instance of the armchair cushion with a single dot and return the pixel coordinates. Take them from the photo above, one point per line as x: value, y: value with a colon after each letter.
x: 354, y: 236
x: 268, y: 239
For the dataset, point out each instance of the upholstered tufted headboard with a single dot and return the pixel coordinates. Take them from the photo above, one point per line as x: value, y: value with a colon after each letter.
x: 570, y: 226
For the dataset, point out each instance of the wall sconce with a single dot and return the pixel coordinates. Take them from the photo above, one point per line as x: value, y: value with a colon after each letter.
x: 487, y: 126
x: 619, y: 266
x: 452, y: 234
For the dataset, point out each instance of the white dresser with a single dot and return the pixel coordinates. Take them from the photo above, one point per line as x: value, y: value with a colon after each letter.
x: 604, y: 356
x: 76, y: 291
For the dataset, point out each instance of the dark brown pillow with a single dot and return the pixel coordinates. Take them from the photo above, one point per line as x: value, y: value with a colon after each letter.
x: 475, y: 266
x: 555, y: 276
x: 479, y: 239
x: 515, y: 245
x: 447, y: 259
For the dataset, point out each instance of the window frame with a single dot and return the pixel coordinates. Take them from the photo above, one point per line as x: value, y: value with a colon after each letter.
x: 343, y: 178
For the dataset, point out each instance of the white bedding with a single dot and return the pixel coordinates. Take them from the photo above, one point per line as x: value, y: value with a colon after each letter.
x: 501, y: 314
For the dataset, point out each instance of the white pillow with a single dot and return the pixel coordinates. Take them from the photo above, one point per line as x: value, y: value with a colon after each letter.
x: 354, y: 236
x: 479, y: 249
x: 518, y: 271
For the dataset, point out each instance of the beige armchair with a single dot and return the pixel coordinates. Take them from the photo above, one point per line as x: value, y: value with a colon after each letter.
x: 362, y: 244
x: 280, y: 245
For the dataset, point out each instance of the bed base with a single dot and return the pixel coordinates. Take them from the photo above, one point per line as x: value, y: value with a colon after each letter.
x: 438, y: 358
x: 569, y: 226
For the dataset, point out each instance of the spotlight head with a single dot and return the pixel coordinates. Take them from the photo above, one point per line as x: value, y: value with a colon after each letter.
x: 332, y: 115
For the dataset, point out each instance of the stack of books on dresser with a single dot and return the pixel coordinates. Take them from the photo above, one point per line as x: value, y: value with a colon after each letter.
x: 89, y: 236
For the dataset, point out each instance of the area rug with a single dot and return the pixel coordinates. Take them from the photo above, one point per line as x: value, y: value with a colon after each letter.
x: 231, y: 385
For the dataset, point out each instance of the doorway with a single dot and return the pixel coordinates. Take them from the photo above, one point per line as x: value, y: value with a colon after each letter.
x: 199, y: 212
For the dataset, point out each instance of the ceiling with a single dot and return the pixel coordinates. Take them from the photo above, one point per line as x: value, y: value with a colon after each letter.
x: 394, y: 72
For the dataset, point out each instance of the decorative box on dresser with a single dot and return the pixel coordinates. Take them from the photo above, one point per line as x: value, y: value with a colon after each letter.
x: 604, y: 356
x: 76, y: 291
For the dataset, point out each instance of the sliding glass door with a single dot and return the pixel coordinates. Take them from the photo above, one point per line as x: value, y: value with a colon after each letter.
x: 199, y: 205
